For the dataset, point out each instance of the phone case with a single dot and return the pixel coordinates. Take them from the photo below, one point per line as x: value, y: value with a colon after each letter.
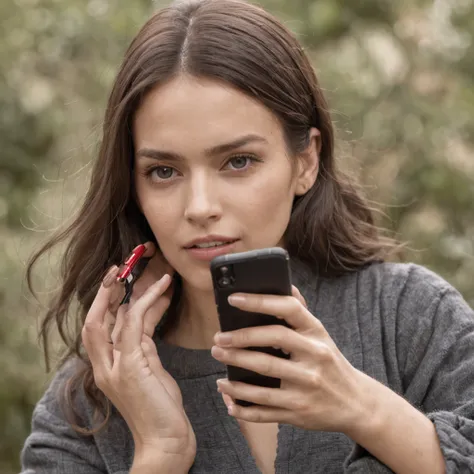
x: 264, y: 271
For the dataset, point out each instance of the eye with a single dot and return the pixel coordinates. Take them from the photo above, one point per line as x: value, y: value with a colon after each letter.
x: 160, y: 173
x: 241, y: 162
x: 164, y: 172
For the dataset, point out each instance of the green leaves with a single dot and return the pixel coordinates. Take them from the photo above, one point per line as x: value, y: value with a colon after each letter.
x: 399, y: 77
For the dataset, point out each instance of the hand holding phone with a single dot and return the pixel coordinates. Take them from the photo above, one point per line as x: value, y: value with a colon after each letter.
x: 264, y: 271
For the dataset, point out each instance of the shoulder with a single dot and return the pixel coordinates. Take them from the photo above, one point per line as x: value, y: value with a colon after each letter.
x: 402, y: 280
x: 416, y: 307
x: 403, y: 292
x: 54, y: 445
x: 379, y: 279
x: 50, y: 405
x: 414, y: 289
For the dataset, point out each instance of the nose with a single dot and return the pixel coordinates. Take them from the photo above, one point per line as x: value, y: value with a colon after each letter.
x: 202, y: 205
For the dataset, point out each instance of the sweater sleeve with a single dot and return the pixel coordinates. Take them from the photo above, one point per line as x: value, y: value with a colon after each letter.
x: 53, y: 447
x: 434, y: 334
x: 449, y: 396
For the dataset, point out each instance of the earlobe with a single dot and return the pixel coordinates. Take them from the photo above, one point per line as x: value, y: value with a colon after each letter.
x: 309, y: 163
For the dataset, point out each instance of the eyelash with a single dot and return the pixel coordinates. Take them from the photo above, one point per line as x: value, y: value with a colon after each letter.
x: 251, y: 158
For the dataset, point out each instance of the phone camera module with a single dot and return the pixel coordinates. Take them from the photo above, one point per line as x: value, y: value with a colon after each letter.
x: 225, y: 282
x: 226, y: 278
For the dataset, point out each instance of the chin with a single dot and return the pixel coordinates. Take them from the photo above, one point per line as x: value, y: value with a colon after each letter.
x: 197, y: 279
x: 203, y: 283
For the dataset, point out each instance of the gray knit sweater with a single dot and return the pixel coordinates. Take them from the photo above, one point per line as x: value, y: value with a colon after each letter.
x: 400, y: 324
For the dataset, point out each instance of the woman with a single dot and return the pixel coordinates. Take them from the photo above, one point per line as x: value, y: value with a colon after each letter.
x: 217, y: 134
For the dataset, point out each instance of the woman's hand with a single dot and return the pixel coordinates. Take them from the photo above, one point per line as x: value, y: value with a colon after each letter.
x: 127, y: 367
x: 320, y: 389
x: 157, y: 267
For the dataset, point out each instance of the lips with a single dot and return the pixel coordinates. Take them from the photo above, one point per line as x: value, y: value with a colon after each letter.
x: 210, y: 241
x: 206, y: 249
x: 207, y: 245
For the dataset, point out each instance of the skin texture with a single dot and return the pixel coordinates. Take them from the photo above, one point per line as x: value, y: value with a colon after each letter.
x: 250, y: 200
x: 207, y: 195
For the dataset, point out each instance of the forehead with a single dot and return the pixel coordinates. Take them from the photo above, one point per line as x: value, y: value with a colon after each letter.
x: 200, y: 112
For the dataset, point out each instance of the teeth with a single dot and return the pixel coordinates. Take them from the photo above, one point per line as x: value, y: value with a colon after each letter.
x: 210, y: 244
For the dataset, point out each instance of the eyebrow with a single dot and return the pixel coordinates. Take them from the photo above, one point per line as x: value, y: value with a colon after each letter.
x: 210, y: 152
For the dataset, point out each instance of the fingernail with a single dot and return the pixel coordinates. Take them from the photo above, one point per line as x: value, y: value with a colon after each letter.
x: 158, y: 284
x: 110, y: 276
x: 217, y: 351
x: 221, y: 385
x: 164, y: 279
x: 235, y: 299
x: 224, y: 338
x: 230, y: 409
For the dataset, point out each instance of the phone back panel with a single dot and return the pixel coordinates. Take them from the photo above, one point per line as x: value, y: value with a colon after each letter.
x: 264, y: 271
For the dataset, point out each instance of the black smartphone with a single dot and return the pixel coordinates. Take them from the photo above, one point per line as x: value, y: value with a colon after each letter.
x: 264, y: 271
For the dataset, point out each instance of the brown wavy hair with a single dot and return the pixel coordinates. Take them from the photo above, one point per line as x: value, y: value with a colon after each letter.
x: 331, y: 227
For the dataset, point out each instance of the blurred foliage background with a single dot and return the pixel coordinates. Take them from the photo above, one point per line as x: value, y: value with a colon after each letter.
x: 399, y: 78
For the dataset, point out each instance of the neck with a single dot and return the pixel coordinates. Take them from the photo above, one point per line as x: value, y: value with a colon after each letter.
x: 198, y: 320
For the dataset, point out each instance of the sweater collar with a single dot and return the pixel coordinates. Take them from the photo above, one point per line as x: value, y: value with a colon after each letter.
x: 182, y: 362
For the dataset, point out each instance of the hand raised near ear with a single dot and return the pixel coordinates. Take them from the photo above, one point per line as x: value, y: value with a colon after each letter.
x: 154, y: 271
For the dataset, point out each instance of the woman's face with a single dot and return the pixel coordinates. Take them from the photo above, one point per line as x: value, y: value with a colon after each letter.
x: 212, y: 168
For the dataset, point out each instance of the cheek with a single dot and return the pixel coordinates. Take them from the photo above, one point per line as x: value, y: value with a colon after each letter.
x: 161, y: 223
x: 160, y: 215
x: 266, y: 205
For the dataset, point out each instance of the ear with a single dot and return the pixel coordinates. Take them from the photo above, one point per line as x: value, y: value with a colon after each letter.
x: 308, y: 163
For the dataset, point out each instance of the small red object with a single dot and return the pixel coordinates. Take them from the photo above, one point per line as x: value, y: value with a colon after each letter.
x: 130, y: 262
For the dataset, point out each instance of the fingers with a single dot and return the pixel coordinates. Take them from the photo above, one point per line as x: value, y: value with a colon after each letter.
x: 119, y: 319
x: 151, y: 353
x: 109, y: 323
x: 150, y: 249
x: 130, y: 335
x: 116, y: 296
x: 257, y: 414
x: 260, y: 414
x: 227, y: 399
x: 288, y: 308
x: 104, y: 322
x: 155, y: 269
x: 155, y: 313
x: 263, y: 364
x: 95, y: 333
x: 273, y: 397
x: 264, y: 336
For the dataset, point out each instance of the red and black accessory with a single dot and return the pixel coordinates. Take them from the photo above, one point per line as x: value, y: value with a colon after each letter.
x: 131, y: 270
